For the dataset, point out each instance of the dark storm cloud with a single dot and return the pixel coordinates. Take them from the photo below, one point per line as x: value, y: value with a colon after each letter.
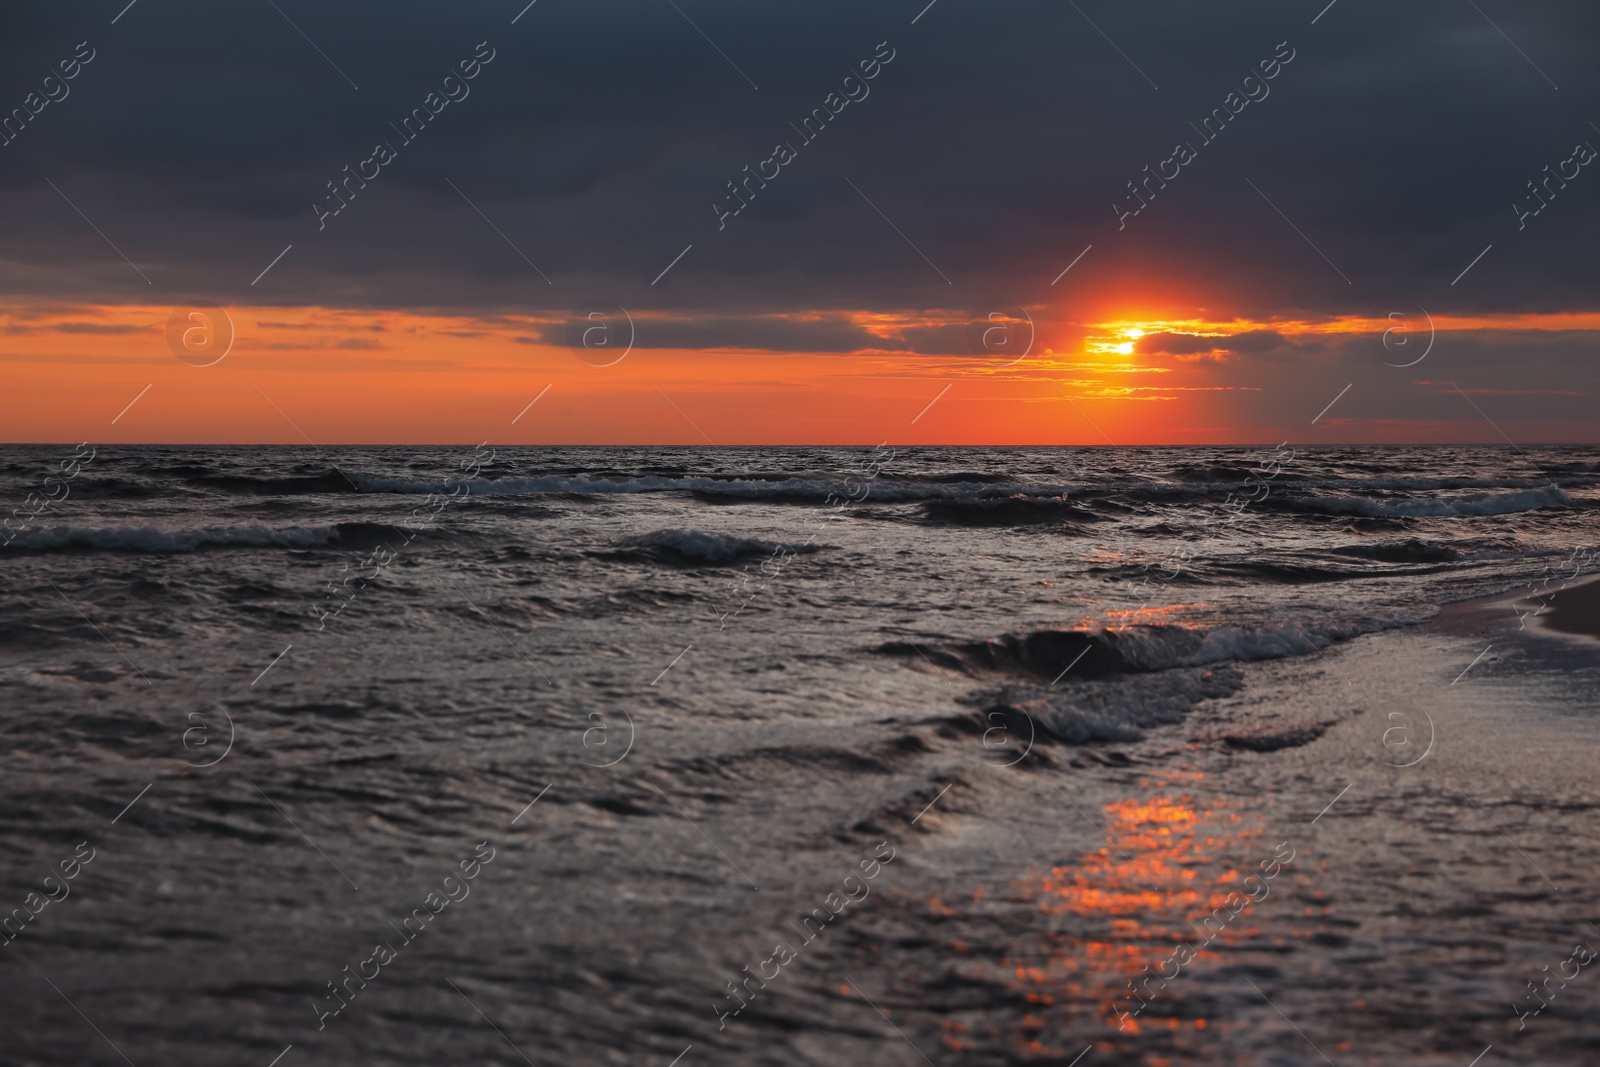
x: 745, y: 333
x: 1514, y: 376
x: 96, y: 327
x: 1249, y: 342
x: 997, y: 140
x: 1177, y: 344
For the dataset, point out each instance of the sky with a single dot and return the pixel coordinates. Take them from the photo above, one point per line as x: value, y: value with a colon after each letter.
x: 805, y: 221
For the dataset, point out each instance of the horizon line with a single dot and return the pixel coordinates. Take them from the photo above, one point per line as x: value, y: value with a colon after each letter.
x: 825, y: 444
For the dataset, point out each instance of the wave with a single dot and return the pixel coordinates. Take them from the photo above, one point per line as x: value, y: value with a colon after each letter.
x: 773, y: 489
x: 1287, y: 572
x: 1191, y: 483
x: 115, y: 487
x: 152, y: 539
x: 694, y: 546
x: 1410, y: 551
x: 1095, y: 654
x: 1079, y: 715
x: 330, y: 482
x: 1085, y: 686
x: 1215, y: 473
x: 1435, y: 507
x: 1433, y: 484
x: 1015, y: 510
x: 753, y: 486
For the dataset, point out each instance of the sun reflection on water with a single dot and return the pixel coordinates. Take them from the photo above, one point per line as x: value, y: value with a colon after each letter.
x: 1111, y: 912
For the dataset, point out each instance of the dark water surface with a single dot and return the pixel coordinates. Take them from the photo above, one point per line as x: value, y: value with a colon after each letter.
x: 962, y: 755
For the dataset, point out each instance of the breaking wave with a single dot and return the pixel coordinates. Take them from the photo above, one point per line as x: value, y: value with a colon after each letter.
x: 694, y: 546
x: 1099, y: 654
x: 1433, y: 507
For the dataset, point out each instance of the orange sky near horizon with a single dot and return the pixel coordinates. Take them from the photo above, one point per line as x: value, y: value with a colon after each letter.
x: 337, y: 376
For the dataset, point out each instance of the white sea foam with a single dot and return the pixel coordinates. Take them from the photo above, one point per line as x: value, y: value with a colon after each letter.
x: 1428, y: 507
x: 1161, y: 647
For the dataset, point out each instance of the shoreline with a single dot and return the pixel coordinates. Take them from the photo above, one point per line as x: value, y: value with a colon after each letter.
x: 1573, y: 610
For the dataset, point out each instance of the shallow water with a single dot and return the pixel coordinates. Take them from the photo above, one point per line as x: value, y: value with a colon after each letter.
x: 1080, y: 696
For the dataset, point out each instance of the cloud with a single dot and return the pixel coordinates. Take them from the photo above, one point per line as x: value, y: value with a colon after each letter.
x: 994, y: 145
x: 1258, y: 341
x: 833, y: 334
x: 1247, y: 342
x: 1176, y: 344
x: 95, y: 327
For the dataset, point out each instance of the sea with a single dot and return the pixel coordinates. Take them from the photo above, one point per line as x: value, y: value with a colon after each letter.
x: 1199, y: 755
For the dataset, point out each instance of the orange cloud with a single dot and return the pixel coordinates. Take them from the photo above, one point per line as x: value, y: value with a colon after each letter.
x: 352, y: 376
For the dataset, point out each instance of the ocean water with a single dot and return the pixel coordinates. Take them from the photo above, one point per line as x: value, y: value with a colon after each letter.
x: 1060, y: 703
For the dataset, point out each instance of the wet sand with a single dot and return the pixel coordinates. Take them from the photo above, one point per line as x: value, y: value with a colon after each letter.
x: 1575, y: 610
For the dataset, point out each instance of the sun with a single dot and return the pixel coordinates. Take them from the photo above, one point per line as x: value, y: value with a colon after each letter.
x: 1120, y: 339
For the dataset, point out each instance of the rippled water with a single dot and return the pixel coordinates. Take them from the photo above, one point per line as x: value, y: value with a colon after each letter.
x: 1084, y: 694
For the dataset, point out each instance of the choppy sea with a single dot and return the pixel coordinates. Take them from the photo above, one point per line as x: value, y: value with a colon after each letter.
x: 688, y: 698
